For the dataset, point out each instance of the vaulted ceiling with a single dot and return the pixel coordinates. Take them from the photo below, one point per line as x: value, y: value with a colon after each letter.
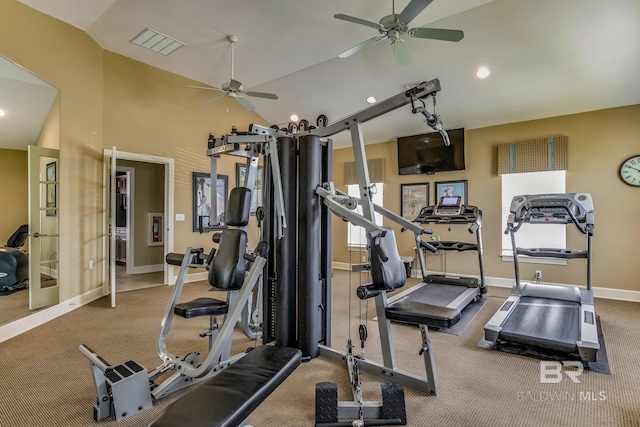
x: 547, y: 57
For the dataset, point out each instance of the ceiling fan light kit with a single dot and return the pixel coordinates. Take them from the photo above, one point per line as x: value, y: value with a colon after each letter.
x: 394, y: 26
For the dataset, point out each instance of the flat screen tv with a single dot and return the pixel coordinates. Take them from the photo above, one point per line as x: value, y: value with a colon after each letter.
x: 427, y: 154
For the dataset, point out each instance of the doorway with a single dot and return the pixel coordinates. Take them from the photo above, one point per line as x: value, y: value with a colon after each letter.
x: 129, y: 276
x: 140, y: 233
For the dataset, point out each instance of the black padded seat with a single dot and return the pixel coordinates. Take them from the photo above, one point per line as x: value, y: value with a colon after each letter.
x: 228, y: 267
x: 419, y: 313
x: 229, y: 397
x: 201, y: 307
x: 19, y: 237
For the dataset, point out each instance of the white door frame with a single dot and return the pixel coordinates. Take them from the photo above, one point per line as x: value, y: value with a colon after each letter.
x: 169, y: 174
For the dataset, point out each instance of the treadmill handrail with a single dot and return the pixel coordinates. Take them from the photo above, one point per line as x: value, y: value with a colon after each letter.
x: 587, y: 229
x: 552, y: 253
x: 469, y: 215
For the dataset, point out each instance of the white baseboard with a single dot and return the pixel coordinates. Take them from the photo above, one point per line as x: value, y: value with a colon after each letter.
x: 147, y: 268
x: 341, y: 265
x: 195, y: 277
x: 41, y: 317
x: 606, y: 293
x: 501, y: 282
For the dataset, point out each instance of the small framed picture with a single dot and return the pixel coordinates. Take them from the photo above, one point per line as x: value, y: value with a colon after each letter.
x: 414, y: 197
x: 452, y: 189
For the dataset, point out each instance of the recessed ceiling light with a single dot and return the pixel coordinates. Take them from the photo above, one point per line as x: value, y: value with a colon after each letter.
x: 294, y: 118
x: 482, y: 72
x: 1, y: 113
x: 371, y: 100
x: 157, y: 42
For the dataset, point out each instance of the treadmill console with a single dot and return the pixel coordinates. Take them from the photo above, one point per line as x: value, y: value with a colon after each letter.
x: 448, y: 206
x: 453, y: 212
x: 552, y: 208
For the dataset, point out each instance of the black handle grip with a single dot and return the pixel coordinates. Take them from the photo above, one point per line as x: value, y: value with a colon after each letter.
x: 428, y: 246
x: 381, y: 253
x: 367, y: 291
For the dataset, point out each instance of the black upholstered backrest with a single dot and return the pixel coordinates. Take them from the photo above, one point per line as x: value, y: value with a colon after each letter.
x: 226, y: 271
x: 228, y: 267
x: 238, y: 207
x: 390, y: 274
x: 19, y: 237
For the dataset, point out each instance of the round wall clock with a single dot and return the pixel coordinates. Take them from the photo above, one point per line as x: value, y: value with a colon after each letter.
x: 630, y: 171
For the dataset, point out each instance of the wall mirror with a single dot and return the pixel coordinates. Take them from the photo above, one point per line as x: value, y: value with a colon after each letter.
x: 29, y: 173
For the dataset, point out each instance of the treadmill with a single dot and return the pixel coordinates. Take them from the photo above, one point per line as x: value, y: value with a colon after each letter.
x: 549, y: 317
x: 451, y: 293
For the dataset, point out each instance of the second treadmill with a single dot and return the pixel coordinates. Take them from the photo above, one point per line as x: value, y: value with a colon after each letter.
x: 549, y: 317
x: 452, y: 293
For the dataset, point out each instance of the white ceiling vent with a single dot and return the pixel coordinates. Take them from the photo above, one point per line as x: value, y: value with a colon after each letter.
x: 157, y: 42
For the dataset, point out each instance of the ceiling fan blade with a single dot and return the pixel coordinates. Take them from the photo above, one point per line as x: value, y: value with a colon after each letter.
x: 412, y: 10
x: 401, y: 53
x: 262, y: 95
x: 246, y: 104
x: 215, y: 98
x: 206, y: 87
x: 357, y: 20
x: 359, y: 47
x: 437, y: 34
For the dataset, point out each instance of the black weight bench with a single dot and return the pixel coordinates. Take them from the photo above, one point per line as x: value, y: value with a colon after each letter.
x: 228, y: 398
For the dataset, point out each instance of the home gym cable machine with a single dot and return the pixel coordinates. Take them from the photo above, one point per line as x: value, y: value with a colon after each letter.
x: 297, y: 268
x: 298, y: 272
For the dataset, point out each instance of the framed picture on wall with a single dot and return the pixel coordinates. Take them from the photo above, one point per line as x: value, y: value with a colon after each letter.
x: 202, y: 205
x: 452, y: 189
x: 51, y: 171
x: 256, y: 193
x: 414, y: 197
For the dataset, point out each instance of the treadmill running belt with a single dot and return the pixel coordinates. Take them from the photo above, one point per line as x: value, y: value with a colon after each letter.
x: 544, y: 322
x: 437, y: 294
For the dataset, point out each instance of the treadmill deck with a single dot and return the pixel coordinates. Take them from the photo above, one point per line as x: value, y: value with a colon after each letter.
x: 439, y: 294
x: 544, y: 322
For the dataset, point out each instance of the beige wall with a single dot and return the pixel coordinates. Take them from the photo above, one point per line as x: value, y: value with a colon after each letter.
x: 13, y: 192
x: 69, y: 59
x: 150, y: 111
x: 598, y: 142
x: 106, y: 100
x: 50, y: 134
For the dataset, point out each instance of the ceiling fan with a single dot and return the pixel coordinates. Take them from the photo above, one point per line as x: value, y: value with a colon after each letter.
x: 234, y: 88
x: 394, y: 26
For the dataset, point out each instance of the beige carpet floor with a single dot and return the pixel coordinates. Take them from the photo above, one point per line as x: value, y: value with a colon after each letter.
x: 45, y: 381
